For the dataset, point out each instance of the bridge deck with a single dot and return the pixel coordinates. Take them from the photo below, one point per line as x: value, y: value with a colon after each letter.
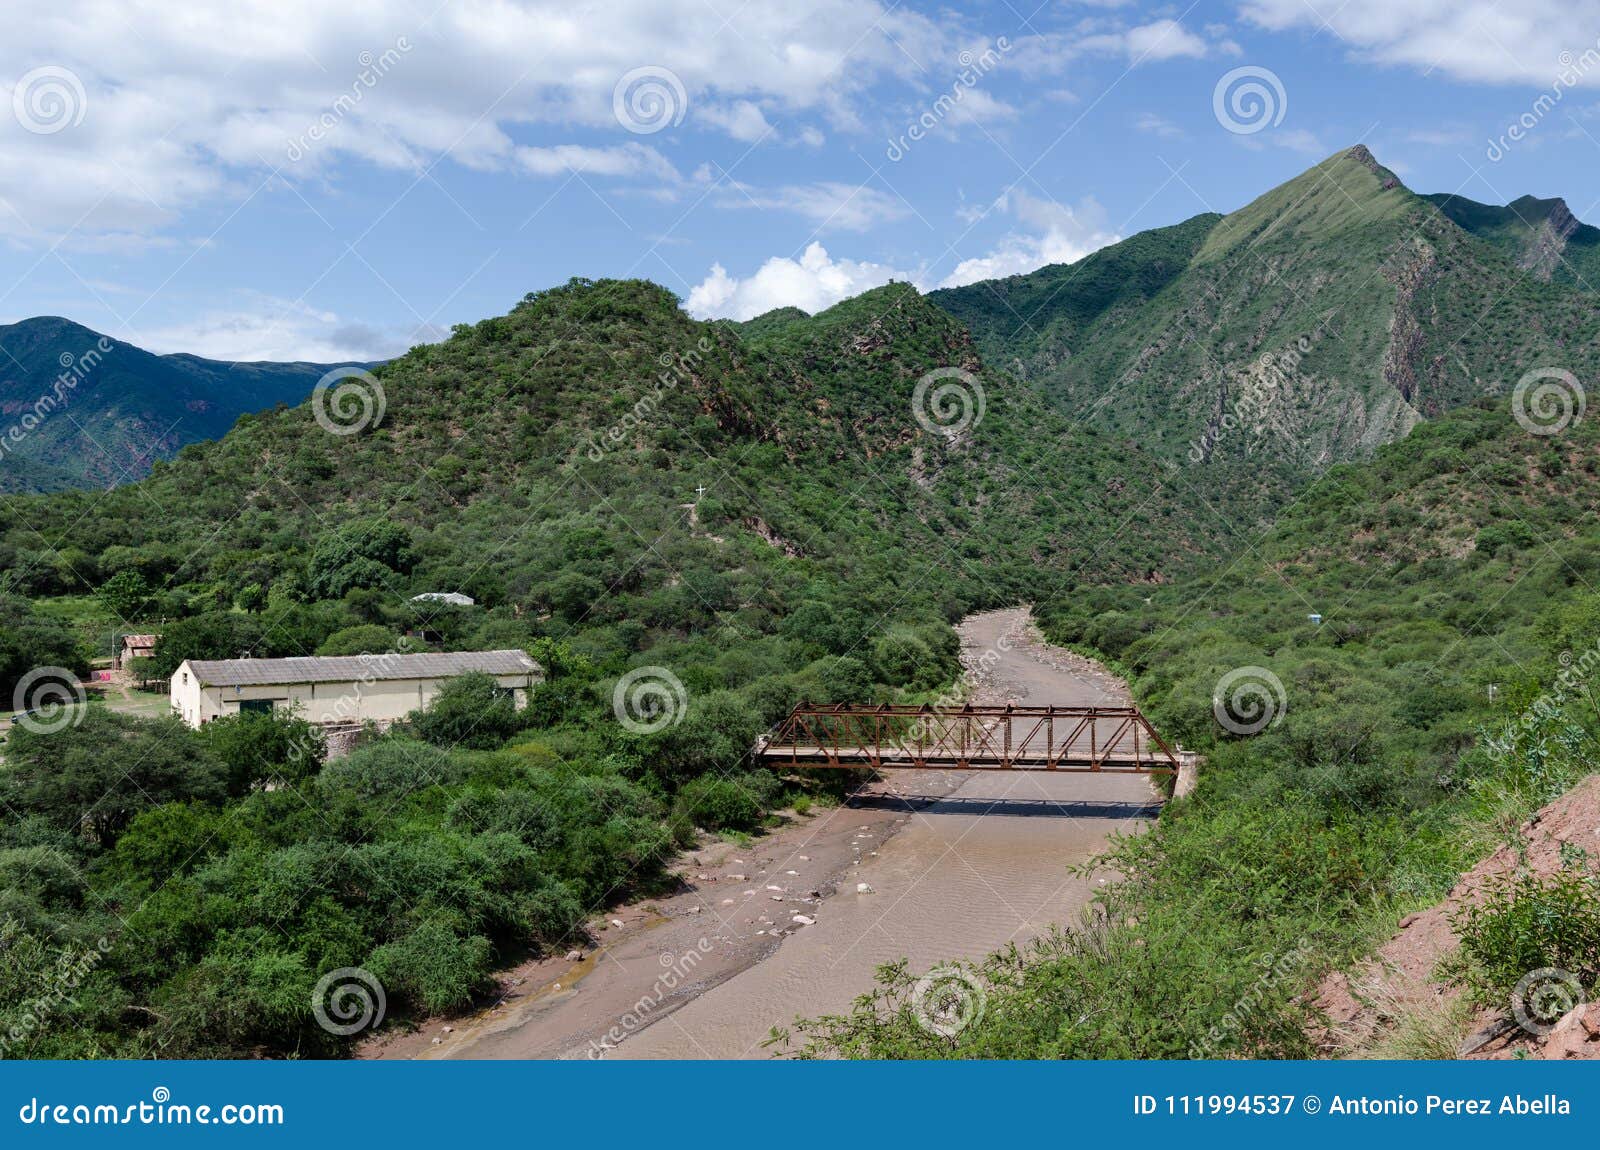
x: 1014, y: 738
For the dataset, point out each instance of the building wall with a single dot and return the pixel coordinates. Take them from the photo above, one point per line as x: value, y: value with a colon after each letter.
x: 381, y: 701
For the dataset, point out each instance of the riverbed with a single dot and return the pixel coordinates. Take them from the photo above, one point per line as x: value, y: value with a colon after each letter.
x: 925, y: 865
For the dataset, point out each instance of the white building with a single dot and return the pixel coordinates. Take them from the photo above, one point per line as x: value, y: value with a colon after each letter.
x: 346, y: 688
x: 452, y: 598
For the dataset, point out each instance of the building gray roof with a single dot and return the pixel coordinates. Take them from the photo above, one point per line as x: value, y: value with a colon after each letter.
x: 351, y: 668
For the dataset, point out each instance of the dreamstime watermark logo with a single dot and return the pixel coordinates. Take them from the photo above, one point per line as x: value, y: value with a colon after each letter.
x: 949, y: 401
x: 649, y: 699
x: 649, y: 99
x: 48, y: 100
x: 1572, y: 71
x: 347, y: 1001
x: 675, y: 369
x: 1576, y: 671
x: 74, y: 370
x: 1542, y: 997
x: 47, y: 700
x: 676, y: 974
x: 947, y: 1000
x: 160, y: 1110
x: 1248, y: 700
x: 1248, y: 99
x: 348, y: 400
x: 373, y: 69
x: 973, y: 69
x: 1548, y: 400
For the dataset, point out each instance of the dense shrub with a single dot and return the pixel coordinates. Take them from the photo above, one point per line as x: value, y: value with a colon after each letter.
x: 1528, y: 923
x: 470, y: 711
x: 735, y: 803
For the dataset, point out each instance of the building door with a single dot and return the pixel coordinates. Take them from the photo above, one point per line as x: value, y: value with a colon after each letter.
x: 256, y: 706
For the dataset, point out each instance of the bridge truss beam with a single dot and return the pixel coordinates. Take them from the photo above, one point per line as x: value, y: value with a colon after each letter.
x: 997, y: 738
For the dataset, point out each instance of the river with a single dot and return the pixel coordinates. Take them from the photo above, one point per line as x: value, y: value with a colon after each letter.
x: 957, y: 864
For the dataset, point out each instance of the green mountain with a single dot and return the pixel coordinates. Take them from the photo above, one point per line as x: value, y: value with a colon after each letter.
x: 1253, y: 350
x: 626, y: 492
x: 537, y: 453
x: 78, y: 409
x: 1542, y: 237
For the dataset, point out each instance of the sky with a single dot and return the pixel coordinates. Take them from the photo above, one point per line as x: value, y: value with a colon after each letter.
x: 298, y: 179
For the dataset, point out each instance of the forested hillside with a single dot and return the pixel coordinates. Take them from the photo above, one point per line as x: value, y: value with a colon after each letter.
x: 1353, y: 767
x: 1179, y: 450
x: 744, y: 519
x: 79, y: 409
x: 1254, y: 350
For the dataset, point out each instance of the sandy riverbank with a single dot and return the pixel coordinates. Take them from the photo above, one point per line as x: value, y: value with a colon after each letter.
x: 957, y: 864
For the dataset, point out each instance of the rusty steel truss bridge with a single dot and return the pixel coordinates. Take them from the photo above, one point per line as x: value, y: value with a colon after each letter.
x: 993, y: 738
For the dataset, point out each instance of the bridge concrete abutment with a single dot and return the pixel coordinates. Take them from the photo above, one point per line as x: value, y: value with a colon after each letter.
x: 1188, y: 773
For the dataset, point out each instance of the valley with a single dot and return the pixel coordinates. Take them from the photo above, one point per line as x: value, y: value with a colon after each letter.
x: 955, y: 865
x: 82, y: 410
x: 1310, y: 483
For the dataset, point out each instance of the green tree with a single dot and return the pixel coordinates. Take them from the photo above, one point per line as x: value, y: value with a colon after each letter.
x: 126, y: 595
x: 257, y: 748
x: 212, y: 635
x: 363, y: 639
x: 99, y: 773
x: 363, y: 554
x: 471, y: 711
x: 29, y: 640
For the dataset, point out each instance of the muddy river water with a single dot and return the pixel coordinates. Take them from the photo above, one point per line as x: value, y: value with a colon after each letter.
x: 956, y: 864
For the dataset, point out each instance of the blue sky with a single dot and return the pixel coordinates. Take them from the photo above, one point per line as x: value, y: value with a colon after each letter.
x: 294, y: 179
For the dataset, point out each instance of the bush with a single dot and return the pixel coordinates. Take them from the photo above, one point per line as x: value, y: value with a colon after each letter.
x: 388, y: 769
x: 256, y: 748
x: 363, y: 639
x: 471, y: 711
x: 433, y: 967
x: 726, y: 804
x: 1526, y: 924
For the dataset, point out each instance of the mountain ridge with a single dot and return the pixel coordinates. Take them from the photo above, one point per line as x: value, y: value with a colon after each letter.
x: 81, y: 409
x: 1319, y: 320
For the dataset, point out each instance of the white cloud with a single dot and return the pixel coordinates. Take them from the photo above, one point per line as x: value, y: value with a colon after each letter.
x: 1052, y: 234
x: 742, y: 119
x: 624, y: 160
x: 1054, y: 52
x: 812, y: 283
x: 1480, y: 40
x: 183, y: 104
x: 267, y: 328
x: 830, y: 205
x: 1154, y: 125
x: 1299, y: 140
x: 1162, y: 40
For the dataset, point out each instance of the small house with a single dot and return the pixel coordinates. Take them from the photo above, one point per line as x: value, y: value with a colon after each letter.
x: 339, y: 689
x: 449, y: 598
x: 135, y: 647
